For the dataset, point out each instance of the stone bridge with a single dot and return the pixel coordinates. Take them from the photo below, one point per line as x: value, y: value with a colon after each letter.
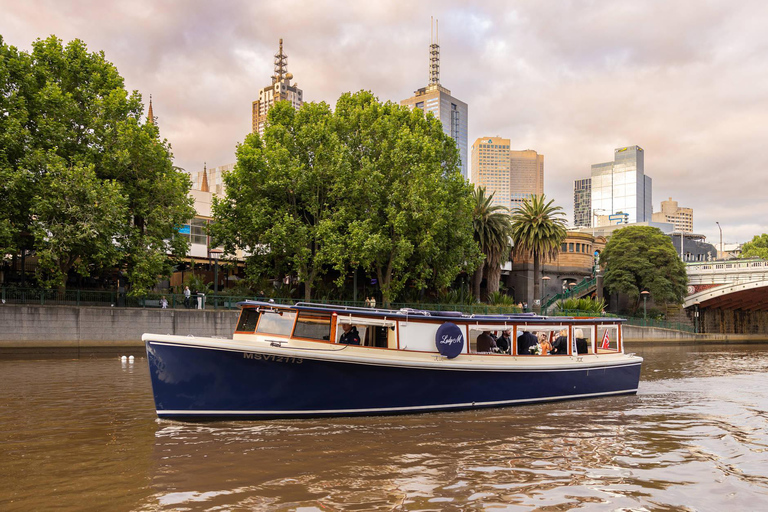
x: 729, y: 284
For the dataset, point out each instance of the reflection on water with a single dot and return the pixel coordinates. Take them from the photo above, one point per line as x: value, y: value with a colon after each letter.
x: 82, y: 434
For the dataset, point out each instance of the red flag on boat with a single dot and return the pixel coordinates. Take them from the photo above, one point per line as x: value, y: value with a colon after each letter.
x: 605, y: 340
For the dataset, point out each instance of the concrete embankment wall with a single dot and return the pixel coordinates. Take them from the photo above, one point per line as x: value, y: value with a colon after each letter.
x: 655, y: 335
x: 39, y: 327
x: 26, y: 328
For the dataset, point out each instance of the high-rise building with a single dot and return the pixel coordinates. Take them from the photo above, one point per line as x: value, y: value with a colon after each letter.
x: 681, y: 218
x: 435, y: 98
x: 280, y: 90
x: 526, y: 176
x: 582, y: 202
x: 490, y: 168
x: 512, y: 176
x: 621, y: 186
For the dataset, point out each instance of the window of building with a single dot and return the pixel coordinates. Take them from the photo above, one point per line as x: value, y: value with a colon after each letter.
x: 578, y: 247
x: 570, y: 247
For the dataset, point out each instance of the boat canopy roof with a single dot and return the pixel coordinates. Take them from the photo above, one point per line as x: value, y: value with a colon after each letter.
x: 416, y: 314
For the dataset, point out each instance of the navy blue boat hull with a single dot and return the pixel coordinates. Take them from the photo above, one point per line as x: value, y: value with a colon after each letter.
x: 204, y: 382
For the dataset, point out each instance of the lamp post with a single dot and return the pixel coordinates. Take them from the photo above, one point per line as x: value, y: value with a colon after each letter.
x: 645, y: 294
x: 545, y: 281
x: 215, y: 254
x: 696, y: 318
x: 721, y: 239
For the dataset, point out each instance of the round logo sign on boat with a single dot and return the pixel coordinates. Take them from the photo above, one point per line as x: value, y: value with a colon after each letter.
x: 449, y: 340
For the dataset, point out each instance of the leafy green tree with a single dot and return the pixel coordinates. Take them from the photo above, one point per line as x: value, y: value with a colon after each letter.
x: 74, y: 223
x: 492, y: 229
x: 69, y: 107
x: 370, y: 186
x: 281, y: 197
x: 538, y: 229
x: 638, y: 258
x: 408, y: 213
x: 756, y: 248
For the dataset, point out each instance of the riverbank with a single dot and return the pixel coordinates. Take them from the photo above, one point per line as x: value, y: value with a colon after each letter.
x: 66, y: 330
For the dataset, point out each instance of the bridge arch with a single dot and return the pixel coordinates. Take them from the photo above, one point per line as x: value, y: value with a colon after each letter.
x: 751, y: 295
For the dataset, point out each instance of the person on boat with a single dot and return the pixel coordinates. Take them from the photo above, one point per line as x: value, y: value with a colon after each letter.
x: 525, y: 341
x: 560, y: 346
x: 350, y: 336
x: 545, y: 347
x: 485, y: 342
x: 504, y: 341
x: 581, y: 342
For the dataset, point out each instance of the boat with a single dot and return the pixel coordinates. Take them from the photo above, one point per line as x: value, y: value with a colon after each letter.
x: 287, y: 361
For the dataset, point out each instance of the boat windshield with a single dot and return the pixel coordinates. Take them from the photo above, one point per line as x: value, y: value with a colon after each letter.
x: 315, y: 326
x: 276, y: 322
x: 249, y: 317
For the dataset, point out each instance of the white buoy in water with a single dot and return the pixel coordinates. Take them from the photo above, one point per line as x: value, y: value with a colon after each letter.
x: 130, y: 359
x: 124, y: 359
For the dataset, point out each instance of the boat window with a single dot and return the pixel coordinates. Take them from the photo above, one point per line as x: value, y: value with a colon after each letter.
x: 607, y: 338
x: 548, y: 340
x: 249, y: 317
x: 277, y: 322
x: 583, y: 335
x: 315, y: 326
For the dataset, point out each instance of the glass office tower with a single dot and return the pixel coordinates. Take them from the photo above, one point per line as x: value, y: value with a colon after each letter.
x: 621, y: 186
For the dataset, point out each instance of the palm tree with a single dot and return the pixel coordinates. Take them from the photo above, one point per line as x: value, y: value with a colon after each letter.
x: 538, y: 229
x: 492, y: 230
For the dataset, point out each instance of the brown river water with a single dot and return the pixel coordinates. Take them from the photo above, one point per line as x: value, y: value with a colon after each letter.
x: 81, y: 434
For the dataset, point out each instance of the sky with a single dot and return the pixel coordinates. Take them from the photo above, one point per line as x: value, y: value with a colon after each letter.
x: 685, y: 80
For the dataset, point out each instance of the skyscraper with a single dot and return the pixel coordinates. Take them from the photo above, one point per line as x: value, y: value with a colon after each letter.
x: 490, y: 168
x: 621, y: 186
x: 582, y: 202
x: 435, y: 98
x: 512, y: 176
x: 280, y: 90
x: 526, y: 176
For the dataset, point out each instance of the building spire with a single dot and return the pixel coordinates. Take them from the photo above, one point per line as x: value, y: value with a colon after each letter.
x: 434, y: 54
x: 204, y: 186
x: 150, y: 114
x: 281, y: 64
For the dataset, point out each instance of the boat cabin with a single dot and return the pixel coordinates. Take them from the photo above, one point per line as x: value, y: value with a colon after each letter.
x: 425, y: 331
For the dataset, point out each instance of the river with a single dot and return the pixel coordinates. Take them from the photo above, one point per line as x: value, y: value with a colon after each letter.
x: 81, y: 434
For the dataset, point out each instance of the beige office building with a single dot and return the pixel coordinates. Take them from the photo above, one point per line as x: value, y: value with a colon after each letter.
x: 681, y: 218
x: 526, y: 172
x: 510, y: 175
x: 280, y: 90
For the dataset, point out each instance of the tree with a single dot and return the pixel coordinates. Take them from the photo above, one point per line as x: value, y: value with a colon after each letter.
x: 68, y: 108
x: 283, y: 195
x: 756, y: 248
x: 74, y: 223
x: 638, y: 258
x: 409, y: 214
x: 370, y: 186
x: 492, y: 229
x: 538, y: 229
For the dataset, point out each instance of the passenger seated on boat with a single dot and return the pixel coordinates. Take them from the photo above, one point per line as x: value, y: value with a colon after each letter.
x: 504, y: 341
x: 581, y: 342
x: 525, y: 340
x: 350, y: 336
x: 560, y: 346
x: 485, y: 342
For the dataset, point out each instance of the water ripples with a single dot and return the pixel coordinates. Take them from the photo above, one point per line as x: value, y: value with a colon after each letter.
x: 82, y: 434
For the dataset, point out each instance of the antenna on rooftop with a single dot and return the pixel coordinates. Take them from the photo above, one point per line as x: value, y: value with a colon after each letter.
x: 434, y: 53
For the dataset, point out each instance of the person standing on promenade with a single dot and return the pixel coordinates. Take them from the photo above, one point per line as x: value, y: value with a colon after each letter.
x: 187, y: 295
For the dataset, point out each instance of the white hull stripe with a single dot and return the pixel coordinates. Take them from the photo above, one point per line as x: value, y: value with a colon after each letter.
x: 161, y: 412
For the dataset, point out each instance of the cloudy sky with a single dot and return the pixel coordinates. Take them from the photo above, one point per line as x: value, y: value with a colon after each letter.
x: 685, y: 80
